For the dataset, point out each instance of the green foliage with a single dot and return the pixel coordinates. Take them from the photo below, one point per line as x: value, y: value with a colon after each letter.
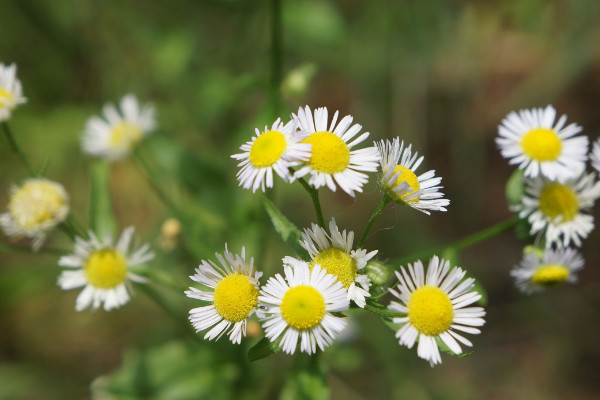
x: 263, y: 349
x: 101, y: 220
x: 284, y: 227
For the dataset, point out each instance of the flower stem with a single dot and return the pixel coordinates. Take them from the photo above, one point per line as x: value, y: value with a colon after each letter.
x: 17, y: 150
x: 314, y: 194
x: 384, y: 202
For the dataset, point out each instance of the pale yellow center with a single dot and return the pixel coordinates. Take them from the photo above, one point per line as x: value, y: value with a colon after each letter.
x: 430, y: 310
x: 558, y: 200
x: 337, y: 262
x: 330, y: 154
x: 235, y: 297
x: 303, y: 307
x: 105, y: 269
x: 125, y: 135
x: 36, y: 202
x: 5, y: 96
x: 410, y: 178
x: 550, y: 275
x: 541, y: 144
x: 267, y: 149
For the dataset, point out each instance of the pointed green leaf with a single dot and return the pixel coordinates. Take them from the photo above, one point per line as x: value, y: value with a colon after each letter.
x: 515, y: 188
x: 284, y: 227
x: 263, y: 349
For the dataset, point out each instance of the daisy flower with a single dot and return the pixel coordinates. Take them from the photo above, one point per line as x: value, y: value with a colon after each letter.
x: 276, y: 149
x: 558, y: 209
x: 300, y: 307
x: 595, y: 156
x: 114, y: 136
x: 333, y: 160
x: 434, y: 305
x: 103, y: 270
x: 232, y: 291
x: 399, y: 179
x: 554, y: 267
x: 11, y: 93
x: 35, y: 208
x: 532, y: 140
x: 334, y: 253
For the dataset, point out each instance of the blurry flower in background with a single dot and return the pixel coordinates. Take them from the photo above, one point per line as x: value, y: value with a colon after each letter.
x: 277, y: 150
x: 232, y: 290
x: 332, y: 160
x: 595, y: 156
x: 300, y: 307
x: 103, y: 270
x: 170, y: 233
x: 11, y: 93
x: 535, y: 273
x: 35, y: 208
x: 532, y: 140
x: 399, y: 180
x: 114, y: 136
x: 434, y: 307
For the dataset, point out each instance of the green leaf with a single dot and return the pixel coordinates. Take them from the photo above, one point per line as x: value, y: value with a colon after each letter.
x: 284, y: 227
x: 102, y: 221
x: 380, y: 310
x: 515, y: 188
x: 263, y: 349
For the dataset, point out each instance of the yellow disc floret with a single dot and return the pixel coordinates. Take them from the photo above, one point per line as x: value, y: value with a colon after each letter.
x: 541, y: 144
x: 303, y: 307
x: 267, y: 149
x: 125, y: 135
x: 235, y: 297
x: 105, y: 269
x: 558, y: 200
x: 406, y: 175
x: 5, y: 97
x: 36, y: 202
x: 337, y: 262
x: 430, y: 310
x: 550, y: 275
x: 330, y: 154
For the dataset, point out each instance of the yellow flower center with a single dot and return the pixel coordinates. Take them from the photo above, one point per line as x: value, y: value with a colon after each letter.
x: 409, y: 177
x: 5, y: 97
x: 337, y: 262
x: 330, y: 154
x: 558, y: 200
x: 105, y: 269
x: 125, y: 135
x: 235, y: 297
x: 430, y: 310
x: 36, y: 202
x: 303, y: 307
x: 541, y: 144
x: 550, y: 275
x: 267, y: 149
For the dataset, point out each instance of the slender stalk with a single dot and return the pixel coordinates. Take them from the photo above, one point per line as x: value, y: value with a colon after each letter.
x: 17, y: 150
x: 144, y: 169
x: 384, y: 202
x: 314, y: 194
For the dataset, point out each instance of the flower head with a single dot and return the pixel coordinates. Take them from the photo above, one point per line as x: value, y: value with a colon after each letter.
x: 103, y: 269
x: 300, y: 307
x: 114, y: 136
x: 434, y: 305
x: 232, y: 291
x: 34, y: 208
x: 595, y: 156
x: 11, y: 93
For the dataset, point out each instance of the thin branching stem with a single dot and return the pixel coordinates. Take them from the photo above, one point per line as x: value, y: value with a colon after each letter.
x: 384, y: 202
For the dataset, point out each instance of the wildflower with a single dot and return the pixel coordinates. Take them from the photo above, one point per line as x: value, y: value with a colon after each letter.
x: 11, y: 93
x: 595, y: 156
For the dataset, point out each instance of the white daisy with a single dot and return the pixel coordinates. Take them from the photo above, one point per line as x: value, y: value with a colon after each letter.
x: 300, y: 307
x: 103, y: 269
x: 434, y: 305
x: 35, y: 208
x: 114, y: 136
x: 332, y: 160
x: 595, y: 156
x: 334, y: 253
x: 232, y: 290
x: 277, y: 150
x: 554, y: 267
x: 530, y: 140
x: 558, y: 209
x: 399, y: 179
x: 11, y: 93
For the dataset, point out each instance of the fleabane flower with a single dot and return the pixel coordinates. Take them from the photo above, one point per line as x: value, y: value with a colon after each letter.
x: 399, y: 179
x: 595, y: 156
x: 34, y: 208
x: 333, y: 251
x: 103, y: 269
x: 232, y: 291
x: 332, y: 160
x: 553, y: 268
x: 11, y: 93
x: 558, y: 210
x: 300, y: 307
x: 532, y: 141
x: 115, y: 135
x: 276, y: 149
x: 434, y: 304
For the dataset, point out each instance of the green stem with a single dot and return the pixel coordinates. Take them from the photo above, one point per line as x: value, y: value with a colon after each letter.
x: 382, y: 312
x: 384, y: 202
x: 146, y: 172
x: 314, y: 194
x: 17, y: 150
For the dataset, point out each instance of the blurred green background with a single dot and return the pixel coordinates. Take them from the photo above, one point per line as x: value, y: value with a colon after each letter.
x: 439, y: 74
